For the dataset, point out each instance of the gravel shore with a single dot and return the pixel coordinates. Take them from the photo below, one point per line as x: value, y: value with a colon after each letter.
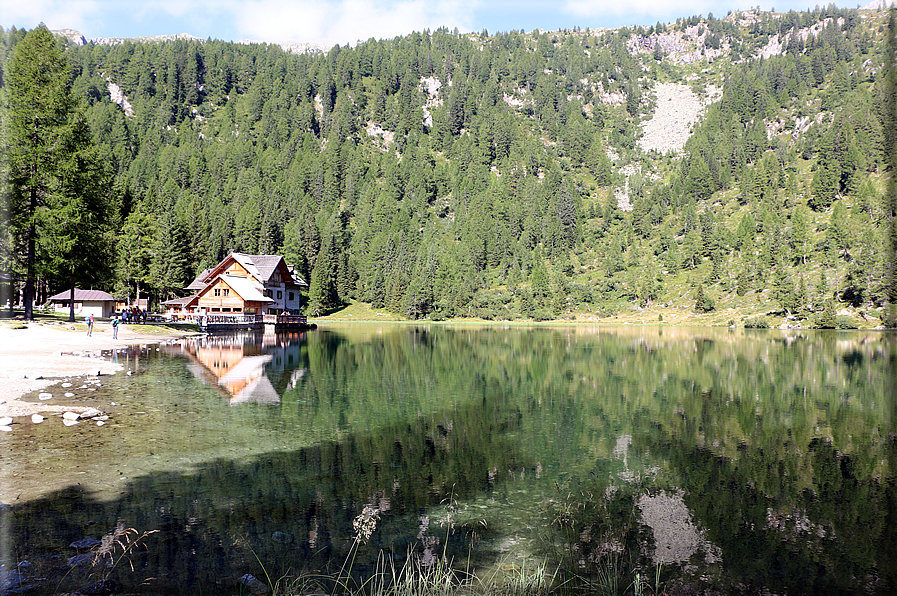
x: 43, y: 354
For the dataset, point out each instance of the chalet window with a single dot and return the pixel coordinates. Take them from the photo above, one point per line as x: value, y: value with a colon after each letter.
x: 217, y: 292
x: 292, y: 296
x: 227, y: 291
x: 216, y: 309
x: 238, y: 309
x: 225, y: 309
x: 279, y: 294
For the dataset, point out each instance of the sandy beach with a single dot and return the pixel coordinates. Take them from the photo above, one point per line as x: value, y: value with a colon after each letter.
x: 45, y: 353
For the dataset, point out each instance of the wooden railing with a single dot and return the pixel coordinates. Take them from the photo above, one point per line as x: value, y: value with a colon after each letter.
x: 242, y: 319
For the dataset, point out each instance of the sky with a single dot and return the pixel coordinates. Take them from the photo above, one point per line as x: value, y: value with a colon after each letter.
x: 330, y: 22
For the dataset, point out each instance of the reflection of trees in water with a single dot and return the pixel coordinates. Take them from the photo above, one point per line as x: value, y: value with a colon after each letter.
x: 406, y: 418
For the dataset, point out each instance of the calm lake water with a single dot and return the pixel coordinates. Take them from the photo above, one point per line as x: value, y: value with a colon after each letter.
x: 738, y: 459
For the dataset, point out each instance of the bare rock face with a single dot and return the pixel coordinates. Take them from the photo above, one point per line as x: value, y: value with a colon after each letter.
x: 74, y: 36
x: 678, y: 109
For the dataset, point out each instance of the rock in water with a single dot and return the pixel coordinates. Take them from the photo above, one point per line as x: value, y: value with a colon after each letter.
x: 44, y: 396
x: 5, y: 420
x: 6, y: 429
x: 78, y: 559
x: 37, y: 418
x: 71, y: 416
x: 253, y: 585
x: 91, y: 413
x: 85, y: 543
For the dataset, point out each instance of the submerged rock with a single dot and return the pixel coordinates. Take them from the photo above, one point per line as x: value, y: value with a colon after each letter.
x: 253, y: 585
x: 79, y: 559
x: 85, y: 543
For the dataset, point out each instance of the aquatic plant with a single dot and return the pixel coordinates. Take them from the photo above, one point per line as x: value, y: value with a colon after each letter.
x: 116, y: 547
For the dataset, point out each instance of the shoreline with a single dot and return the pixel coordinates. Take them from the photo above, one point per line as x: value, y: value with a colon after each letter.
x: 40, y: 354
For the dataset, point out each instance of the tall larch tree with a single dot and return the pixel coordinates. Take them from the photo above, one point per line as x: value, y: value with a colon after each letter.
x: 51, y: 200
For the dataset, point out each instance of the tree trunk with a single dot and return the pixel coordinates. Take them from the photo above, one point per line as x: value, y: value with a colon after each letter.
x: 29, y: 277
x: 72, y: 299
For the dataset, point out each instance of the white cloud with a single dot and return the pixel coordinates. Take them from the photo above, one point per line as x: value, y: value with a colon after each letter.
x: 637, y: 9
x: 347, y: 21
x: 55, y: 14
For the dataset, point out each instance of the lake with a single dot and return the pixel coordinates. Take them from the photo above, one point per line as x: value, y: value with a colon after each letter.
x: 737, y: 459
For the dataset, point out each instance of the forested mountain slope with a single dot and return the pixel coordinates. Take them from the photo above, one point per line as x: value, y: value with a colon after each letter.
x: 511, y: 175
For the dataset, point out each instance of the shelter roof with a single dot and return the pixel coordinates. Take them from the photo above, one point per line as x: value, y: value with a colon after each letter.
x: 83, y: 296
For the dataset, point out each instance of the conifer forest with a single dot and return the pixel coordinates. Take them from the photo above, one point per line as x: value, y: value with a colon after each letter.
x: 499, y: 176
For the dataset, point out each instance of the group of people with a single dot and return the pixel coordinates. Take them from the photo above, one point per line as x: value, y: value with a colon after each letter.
x: 133, y: 315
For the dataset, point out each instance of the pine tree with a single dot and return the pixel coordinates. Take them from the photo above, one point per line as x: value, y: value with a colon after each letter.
x: 703, y: 303
x: 826, y: 179
x: 53, y: 174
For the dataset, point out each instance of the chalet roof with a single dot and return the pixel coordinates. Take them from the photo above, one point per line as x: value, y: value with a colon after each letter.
x: 263, y: 266
x: 83, y: 296
x: 244, y: 287
x: 179, y: 301
x: 199, y: 283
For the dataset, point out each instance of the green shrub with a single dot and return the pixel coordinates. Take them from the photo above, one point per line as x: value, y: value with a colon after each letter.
x: 845, y: 322
x: 758, y: 322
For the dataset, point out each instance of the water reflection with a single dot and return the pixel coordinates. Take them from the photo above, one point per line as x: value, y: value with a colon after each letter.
x: 247, y: 365
x: 761, y: 460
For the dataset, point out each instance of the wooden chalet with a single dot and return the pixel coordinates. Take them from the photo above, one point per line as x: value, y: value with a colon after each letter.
x: 244, y: 286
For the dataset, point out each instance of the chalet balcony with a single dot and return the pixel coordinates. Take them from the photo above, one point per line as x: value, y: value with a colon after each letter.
x: 220, y: 321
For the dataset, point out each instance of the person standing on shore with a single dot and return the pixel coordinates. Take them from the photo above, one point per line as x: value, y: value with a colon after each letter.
x: 89, y: 325
x: 114, y: 327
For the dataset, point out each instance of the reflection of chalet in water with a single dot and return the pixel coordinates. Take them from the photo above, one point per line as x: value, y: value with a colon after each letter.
x: 243, y: 285
x: 246, y: 367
